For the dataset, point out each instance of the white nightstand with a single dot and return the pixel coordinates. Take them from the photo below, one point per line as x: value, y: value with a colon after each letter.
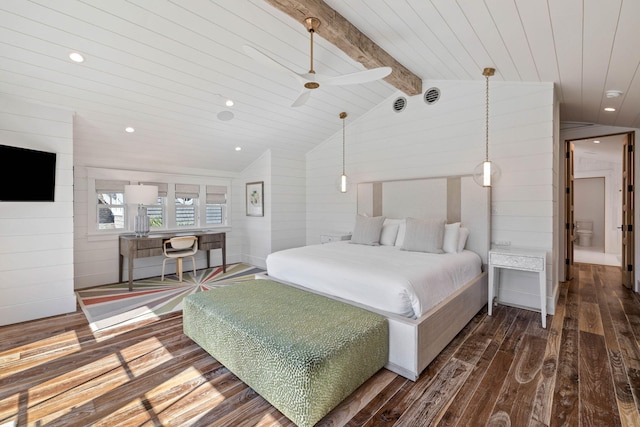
x: 519, y: 259
x: 334, y: 237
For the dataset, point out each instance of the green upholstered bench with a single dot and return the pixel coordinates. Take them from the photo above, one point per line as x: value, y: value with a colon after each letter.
x: 302, y: 352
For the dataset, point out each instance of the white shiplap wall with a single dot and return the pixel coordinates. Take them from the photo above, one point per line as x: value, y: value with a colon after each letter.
x: 288, y: 207
x: 283, y: 224
x: 36, y: 238
x: 255, y: 230
x: 447, y: 138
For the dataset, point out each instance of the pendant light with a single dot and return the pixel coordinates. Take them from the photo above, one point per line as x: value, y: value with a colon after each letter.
x: 343, y: 177
x: 486, y: 172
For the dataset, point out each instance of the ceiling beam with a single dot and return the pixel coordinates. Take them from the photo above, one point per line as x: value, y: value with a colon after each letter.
x: 340, y: 32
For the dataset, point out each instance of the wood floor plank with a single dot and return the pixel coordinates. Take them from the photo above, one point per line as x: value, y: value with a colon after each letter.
x: 390, y: 413
x: 373, y: 393
x: 376, y: 402
x: 629, y: 415
x: 589, y: 318
x: 502, y: 321
x: 505, y: 369
x: 543, y: 400
x: 566, y: 409
x: 597, y: 401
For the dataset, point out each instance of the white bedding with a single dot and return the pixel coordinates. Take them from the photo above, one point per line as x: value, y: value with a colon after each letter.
x: 383, y: 277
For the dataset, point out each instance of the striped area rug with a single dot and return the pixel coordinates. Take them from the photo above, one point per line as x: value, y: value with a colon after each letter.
x: 113, y: 305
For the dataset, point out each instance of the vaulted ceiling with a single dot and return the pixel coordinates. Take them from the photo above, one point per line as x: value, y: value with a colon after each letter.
x: 166, y: 67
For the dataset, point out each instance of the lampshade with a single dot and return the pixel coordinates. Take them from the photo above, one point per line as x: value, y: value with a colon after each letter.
x: 141, y: 194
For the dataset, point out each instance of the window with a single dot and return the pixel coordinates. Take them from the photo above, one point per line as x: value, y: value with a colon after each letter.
x: 110, y: 204
x: 215, y: 208
x: 157, y: 213
x: 186, y: 203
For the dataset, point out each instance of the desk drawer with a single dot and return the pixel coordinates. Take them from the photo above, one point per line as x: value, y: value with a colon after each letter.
x: 521, y: 262
x: 211, y: 241
x: 145, y: 253
x: 148, y: 248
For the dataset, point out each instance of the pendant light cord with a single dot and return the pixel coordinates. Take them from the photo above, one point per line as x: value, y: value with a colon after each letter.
x: 486, y: 127
x: 487, y: 72
x: 343, y: 133
x: 343, y: 116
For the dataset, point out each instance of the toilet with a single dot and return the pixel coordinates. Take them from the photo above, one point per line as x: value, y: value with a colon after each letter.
x: 584, y: 231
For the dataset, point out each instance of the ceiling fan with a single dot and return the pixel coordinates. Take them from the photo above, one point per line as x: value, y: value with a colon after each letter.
x: 310, y: 80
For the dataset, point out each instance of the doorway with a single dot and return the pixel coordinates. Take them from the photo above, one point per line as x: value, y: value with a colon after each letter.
x: 597, y: 241
x: 599, y: 202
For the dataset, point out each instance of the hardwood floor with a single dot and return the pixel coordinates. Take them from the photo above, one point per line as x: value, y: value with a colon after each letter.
x: 500, y: 370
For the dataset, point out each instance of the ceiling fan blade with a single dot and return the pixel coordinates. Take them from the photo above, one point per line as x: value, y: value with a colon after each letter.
x: 302, y: 98
x: 359, y: 77
x: 267, y: 60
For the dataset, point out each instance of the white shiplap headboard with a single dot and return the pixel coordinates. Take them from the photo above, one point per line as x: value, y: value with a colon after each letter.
x: 456, y: 198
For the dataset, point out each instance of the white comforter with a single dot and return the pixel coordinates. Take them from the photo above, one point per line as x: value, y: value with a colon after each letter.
x: 383, y: 277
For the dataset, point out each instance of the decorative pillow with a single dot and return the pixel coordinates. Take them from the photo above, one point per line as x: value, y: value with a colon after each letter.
x: 367, y: 230
x: 389, y: 233
x: 451, y: 238
x: 424, y: 235
x: 402, y: 231
x: 462, y: 238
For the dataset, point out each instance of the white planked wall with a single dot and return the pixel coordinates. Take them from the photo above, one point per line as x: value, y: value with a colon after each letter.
x: 255, y: 230
x: 448, y: 138
x: 36, y: 238
x: 283, y: 225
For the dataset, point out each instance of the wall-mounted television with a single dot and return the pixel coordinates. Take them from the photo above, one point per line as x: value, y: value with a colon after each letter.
x: 26, y: 175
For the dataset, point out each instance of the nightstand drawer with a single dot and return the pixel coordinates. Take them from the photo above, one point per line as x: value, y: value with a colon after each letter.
x: 518, y: 262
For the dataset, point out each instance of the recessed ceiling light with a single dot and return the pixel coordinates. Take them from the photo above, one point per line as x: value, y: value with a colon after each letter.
x: 76, y: 57
x: 225, y: 115
x: 613, y: 93
x: 609, y: 109
x: 238, y: 148
x: 596, y: 142
x: 229, y: 103
x: 129, y: 129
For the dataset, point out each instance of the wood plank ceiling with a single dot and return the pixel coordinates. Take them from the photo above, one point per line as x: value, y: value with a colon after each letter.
x: 166, y: 67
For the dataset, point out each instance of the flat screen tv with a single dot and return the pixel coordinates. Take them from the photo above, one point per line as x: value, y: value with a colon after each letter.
x: 26, y: 175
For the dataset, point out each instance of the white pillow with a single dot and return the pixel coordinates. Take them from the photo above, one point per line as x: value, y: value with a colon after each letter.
x: 389, y: 233
x: 424, y: 235
x: 402, y: 229
x: 367, y: 230
x: 451, y: 238
x: 462, y: 238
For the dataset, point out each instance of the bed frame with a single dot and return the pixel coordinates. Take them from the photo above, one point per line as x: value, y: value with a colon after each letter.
x: 414, y: 343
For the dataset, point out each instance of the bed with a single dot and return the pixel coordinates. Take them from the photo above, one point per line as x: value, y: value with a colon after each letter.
x: 427, y: 295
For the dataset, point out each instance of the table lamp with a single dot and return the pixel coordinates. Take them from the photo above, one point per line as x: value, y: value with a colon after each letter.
x: 141, y: 195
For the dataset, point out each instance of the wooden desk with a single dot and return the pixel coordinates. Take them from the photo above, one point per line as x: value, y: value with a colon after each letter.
x: 519, y: 259
x: 143, y: 247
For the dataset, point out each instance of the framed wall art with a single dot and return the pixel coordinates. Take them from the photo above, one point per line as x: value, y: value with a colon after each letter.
x: 255, y: 198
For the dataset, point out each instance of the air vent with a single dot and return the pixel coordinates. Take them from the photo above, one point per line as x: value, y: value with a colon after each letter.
x: 399, y: 104
x: 431, y: 95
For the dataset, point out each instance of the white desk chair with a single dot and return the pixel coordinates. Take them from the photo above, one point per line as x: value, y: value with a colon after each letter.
x: 178, y: 248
